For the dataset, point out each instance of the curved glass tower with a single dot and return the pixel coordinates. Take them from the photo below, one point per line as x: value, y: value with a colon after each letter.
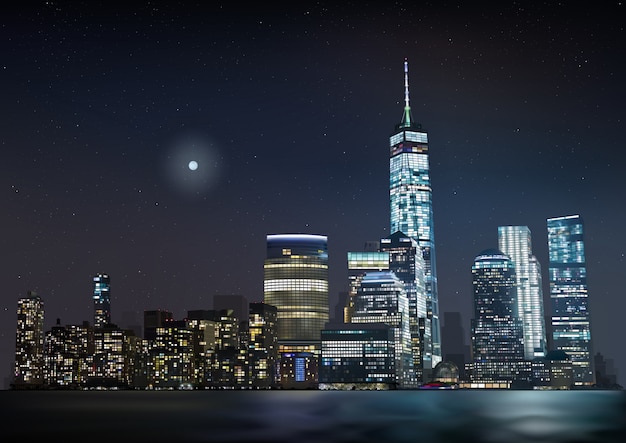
x: 497, y: 335
x: 296, y: 282
x: 410, y: 196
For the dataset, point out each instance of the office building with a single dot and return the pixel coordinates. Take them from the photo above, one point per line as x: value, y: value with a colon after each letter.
x: 68, y: 354
x: 101, y: 300
x: 381, y: 298
x: 571, y: 323
x: 29, y: 343
x: 497, y: 337
x: 263, y: 345
x: 411, y: 204
x: 358, y: 356
x: 296, y: 283
x: 516, y: 242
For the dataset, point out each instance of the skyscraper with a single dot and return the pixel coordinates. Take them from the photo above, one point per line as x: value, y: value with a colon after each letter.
x: 497, y: 337
x: 29, y: 343
x: 296, y: 283
x: 101, y: 300
x: 515, y: 241
x: 407, y: 263
x: 382, y: 298
x: 410, y: 195
x: 571, y: 328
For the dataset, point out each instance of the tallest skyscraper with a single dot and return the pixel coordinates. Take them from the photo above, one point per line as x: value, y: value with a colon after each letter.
x: 410, y: 196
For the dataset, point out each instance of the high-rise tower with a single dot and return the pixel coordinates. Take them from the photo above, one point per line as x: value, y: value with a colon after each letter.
x: 515, y: 241
x: 410, y: 195
x: 296, y: 282
x: 571, y: 331
x: 101, y: 300
x: 29, y: 343
x: 497, y: 337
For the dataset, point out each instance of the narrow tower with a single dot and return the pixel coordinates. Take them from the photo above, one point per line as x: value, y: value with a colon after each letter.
x: 571, y: 328
x: 515, y: 241
x: 101, y: 300
x: 410, y: 195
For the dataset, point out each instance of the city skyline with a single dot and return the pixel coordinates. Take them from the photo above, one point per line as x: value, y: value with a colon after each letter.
x: 292, y: 109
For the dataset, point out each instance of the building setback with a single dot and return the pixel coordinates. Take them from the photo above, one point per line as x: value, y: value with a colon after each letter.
x: 410, y: 196
x: 571, y: 325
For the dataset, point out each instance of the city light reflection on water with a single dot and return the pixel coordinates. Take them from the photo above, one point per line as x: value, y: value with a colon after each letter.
x: 315, y: 416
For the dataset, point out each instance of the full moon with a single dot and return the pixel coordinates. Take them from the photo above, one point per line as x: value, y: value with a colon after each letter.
x: 193, y: 165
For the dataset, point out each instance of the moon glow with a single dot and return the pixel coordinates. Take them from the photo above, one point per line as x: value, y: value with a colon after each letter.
x: 193, y: 165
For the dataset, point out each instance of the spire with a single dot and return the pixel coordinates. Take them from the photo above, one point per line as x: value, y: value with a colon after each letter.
x: 407, y: 117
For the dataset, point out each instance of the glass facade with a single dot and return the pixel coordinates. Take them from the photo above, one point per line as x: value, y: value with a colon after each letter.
x: 296, y: 282
x: 411, y: 207
x: 381, y: 298
x: 515, y: 241
x: 571, y: 328
x: 101, y: 300
x: 407, y: 263
x: 358, y: 357
x: 497, y: 337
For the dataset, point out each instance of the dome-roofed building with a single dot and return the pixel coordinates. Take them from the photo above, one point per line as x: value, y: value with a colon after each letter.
x: 446, y: 372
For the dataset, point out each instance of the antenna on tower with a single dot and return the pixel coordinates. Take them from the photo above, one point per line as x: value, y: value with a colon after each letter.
x: 406, y: 83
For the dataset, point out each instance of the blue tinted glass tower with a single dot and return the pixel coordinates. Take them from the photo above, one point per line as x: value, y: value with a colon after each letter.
x: 410, y: 195
x: 571, y: 330
x: 101, y: 300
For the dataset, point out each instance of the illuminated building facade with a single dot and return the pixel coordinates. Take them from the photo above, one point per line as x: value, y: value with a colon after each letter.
x: 497, y: 337
x: 410, y: 195
x: 358, y: 356
x: 69, y: 355
x: 263, y: 345
x: 407, y: 263
x: 172, y: 355
x: 381, y: 298
x: 359, y: 263
x: 101, y: 300
x: 29, y: 343
x: 571, y: 326
x: 296, y: 283
x: 516, y: 242
x: 114, y: 357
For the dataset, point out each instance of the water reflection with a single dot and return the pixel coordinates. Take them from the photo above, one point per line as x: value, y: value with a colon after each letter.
x: 314, y: 416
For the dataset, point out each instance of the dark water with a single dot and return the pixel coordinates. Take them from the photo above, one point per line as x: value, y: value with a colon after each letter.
x: 315, y: 416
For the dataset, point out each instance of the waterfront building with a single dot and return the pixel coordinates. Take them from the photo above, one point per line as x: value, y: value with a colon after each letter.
x: 497, y: 337
x: 571, y: 322
x: 358, y: 356
x: 113, y: 358
x: 381, y: 298
x: 296, y: 283
x: 407, y: 263
x: 101, y: 300
x: 263, y: 345
x: 516, y: 242
x: 68, y: 354
x: 29, y: 343
x: 411, y: 204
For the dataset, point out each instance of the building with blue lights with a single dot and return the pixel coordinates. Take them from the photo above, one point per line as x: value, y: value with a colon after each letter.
x: 410, y: 195
x: 101, y: 300
x: 497, y: 336
x: 381, y: 298
x: 515, y: 241
x: 571, y: 323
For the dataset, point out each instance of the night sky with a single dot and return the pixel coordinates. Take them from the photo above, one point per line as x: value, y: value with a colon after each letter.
x: 288, y: 109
